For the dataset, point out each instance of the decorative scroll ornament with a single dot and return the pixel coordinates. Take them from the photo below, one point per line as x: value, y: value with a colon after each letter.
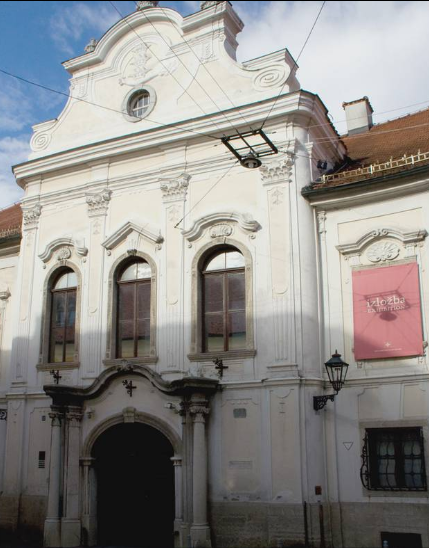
x: 270, y: 77
x: 3, y: 414
x: 383, y: 251
x: 175, y: 189
x: 40, y: 141
x: 142, y: 65
x: 221, y: 231
x: 63, y: 254
x: 98, y: 204
x: 31, y: 216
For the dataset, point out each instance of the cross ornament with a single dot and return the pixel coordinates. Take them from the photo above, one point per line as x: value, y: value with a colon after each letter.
x: 129, y: 387
x: 56, y: 375
x: 219, y: 366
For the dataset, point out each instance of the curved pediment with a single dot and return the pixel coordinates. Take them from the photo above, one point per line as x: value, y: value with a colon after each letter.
x: 65, y: 243
x: 66, y: 395
x: 221, y: 221
x: 406, y: 238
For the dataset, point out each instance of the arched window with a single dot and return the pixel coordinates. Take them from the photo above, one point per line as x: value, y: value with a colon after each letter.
x: 224, y: 301
x: 63, y: 317
x: 133, y: 314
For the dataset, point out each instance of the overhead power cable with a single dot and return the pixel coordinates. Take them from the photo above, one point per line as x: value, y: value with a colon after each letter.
x: 194, y: 76
x: 208, y: 192
x: 46, y: 88
x: 201, y: 64
x: 162, y: 62
x: 294, y: 65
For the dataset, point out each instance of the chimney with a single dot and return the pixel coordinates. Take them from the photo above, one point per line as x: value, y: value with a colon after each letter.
x: 358, y: 115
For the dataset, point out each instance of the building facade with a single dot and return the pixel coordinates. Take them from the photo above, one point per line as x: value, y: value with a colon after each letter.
x: 165, y: 313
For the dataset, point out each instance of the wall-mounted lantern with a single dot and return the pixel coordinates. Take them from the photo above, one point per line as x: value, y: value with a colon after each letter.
x: 337, y: 372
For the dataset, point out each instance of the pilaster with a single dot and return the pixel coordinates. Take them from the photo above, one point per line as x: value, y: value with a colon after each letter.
x: 174, y: 192
x: 92, y: 325
x: 21, y: 341
x: 276, y: 178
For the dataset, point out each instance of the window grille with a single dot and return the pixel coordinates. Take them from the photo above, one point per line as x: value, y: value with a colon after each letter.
x: 42, y: 459
x: 393, y: 460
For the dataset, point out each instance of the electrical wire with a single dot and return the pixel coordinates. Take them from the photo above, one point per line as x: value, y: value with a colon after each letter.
x: 194, y: 77
x: 208, y: 192
x: 22, y: 79
x: 295, y: 64
x: 160, y: 61
x: 191, y: 49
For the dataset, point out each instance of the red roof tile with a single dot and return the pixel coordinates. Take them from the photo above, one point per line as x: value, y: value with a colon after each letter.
x: 393, y: 139
x: 10, y: 220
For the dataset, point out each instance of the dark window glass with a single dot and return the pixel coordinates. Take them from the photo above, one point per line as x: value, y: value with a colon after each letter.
x: 223, y: 307
x: 134, y: 288
x: 63, y: 319
x: 393, y: 459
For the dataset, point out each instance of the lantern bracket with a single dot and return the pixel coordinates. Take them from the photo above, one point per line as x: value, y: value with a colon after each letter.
x: 319, y: 402
x: 253, y: 143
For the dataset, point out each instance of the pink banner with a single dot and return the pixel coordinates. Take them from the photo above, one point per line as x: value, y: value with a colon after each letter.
x: 387, y: 312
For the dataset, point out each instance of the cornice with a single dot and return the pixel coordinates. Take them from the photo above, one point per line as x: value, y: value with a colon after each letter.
x: 201, y: 128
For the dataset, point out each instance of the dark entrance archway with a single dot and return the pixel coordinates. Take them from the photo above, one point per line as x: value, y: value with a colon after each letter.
x: 135, y: 479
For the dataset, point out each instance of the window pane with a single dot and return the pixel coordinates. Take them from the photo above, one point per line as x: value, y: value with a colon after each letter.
x: 143, y: 271
x: 58, y: 310
x: 66, y: 280
x: 126, y: 302
x: 214, y: 338
x: 236, y: 290
x: 237, y: 331
x: 217, y: 263
x: 143, y: 301
x: 130, y: 273
x: 234, y: 259
x: 126, y: 339
x: 213, y: 293
x: 143, y: 341
x: 71, y: 308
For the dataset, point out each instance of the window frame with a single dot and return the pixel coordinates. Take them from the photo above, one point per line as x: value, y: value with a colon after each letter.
x: 369, y: 474
x: 197, y: 352
x: 131, y: 96
x: 223, y: 274
x: 52, y: 276
x: 136, y: 282
x: 112, y: 318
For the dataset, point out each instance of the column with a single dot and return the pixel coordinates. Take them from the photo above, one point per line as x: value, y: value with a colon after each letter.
x: 70, y: 523
x: 89, y: 510
x: 200, y: 530
x: 52, y: 532
x: 178, y: 494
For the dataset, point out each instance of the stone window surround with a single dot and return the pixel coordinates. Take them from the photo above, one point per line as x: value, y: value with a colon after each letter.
x: 196, y: 353
x: 112, y: 307
x: 404, y: 423
x: 44, y: 363
x: 129, y: 97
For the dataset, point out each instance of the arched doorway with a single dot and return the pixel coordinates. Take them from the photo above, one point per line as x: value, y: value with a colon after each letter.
x: 135, y: 487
